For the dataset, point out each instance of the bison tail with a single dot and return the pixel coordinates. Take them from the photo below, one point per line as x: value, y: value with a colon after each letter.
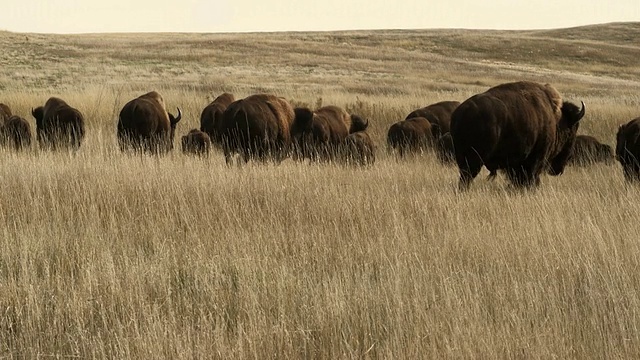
x: 358, y: 124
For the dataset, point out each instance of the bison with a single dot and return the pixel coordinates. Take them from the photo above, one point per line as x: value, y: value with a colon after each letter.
x: 588, y: 150
x: 319, y: 134
x: 145, y: 125
x: 257, y: 127
x: 212, y: 116
x: 359, y: 149
x: 196, y: 142
x: 16, y: 133
x: 444, y: 149
x: 521, y: 127
x: 5, y: 112
x: 58, y: 125
x: 628, y: 149
x: 412, y: 135
x: 438, y: 114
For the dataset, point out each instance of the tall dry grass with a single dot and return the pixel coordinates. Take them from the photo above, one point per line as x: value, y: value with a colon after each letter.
x: 107, y: 255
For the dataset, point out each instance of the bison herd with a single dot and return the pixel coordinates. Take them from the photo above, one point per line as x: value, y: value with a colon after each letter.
x: 522, y: 129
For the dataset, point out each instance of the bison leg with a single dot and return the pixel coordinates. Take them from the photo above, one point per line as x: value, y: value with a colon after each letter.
x: 468, y: 172
x: 631, y: 172
x: 522, y: 177
x: 469, y: 163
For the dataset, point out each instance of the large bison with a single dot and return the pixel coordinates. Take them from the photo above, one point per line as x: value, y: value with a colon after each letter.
x: 257, y: 127
x: 196, y: 142
x: 359, y: 149
x: 145, y: 125
x: 438, y: 114
x: 628, y: 149
x: 320, y: 134
x: 522, y: 128
x: 16, y: 133
x: 414, y: 135
x: 588, y: 150
x: 212, y: 115
x: 59, y: 125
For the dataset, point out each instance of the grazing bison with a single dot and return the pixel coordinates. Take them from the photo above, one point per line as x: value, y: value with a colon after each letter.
x: 16, y: 133
x: 628, y: 149
x: 359, y: 149
x: 145, y: 125
x: 59, y: 125
x: 212, y: 116
x: 414, y: 135
x: 588, y: 150
x: 319, y: 134
x: 196, y: 142
x: 257, y: 127
x: 438, y: 114
x: 521, y: 127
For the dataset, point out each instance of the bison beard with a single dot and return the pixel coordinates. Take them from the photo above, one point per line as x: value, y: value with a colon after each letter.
x: 628, y: 149
x: 522, y: 128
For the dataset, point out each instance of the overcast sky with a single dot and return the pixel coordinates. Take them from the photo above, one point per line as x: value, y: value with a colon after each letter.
x: 79, y: 16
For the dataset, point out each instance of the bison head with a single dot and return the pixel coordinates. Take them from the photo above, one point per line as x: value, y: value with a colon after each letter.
x: 358, y: 124
x: 565, y: 136
x: 173, y: 120
x: 38, y: 114
x: 300, y: 130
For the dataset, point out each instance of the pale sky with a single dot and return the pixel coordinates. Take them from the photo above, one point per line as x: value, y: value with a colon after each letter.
x: 81, y: 16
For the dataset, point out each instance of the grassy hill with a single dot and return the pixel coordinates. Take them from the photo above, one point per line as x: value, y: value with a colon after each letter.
x: 108, y: 255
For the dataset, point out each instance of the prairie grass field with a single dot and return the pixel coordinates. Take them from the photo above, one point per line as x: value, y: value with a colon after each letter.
x: 112, y: 255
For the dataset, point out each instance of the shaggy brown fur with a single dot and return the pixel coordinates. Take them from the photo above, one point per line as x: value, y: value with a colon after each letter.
x: 257, y: 127
x: 444, y: 149
x: 5, y: 113
x: 588, y: 150
x: 628, y: 149
x: 212, y: 116
x: 414, y: 135
x: 145, y: 125
x: 196, y: 142
x: 59, y: 125
x: 438, y: 114
x: 318, y: 135
x: 16, y: 133
x: 359, y: 149
x: 522, y: 127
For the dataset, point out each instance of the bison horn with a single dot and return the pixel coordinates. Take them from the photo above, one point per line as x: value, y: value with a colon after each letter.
x: 582, y: 111
x: 179, y: 115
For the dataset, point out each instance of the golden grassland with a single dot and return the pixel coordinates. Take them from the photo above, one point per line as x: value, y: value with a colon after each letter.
x: 109, y: 255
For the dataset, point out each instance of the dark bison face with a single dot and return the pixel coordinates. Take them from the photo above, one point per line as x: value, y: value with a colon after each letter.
x: 623, y: 155
x: 566, y: 136
x: 301, y: 131
x: 38, y: 114
x: 173, y: 120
